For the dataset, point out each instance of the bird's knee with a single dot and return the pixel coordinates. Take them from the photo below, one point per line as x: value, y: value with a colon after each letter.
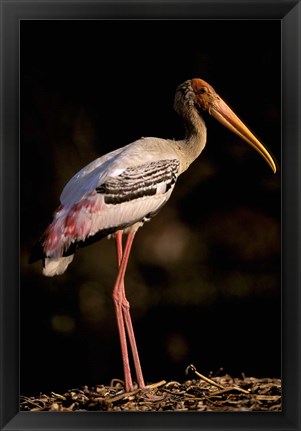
x: 121, y: 301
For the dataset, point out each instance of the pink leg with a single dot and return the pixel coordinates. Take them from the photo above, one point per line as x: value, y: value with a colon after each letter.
x: 118, y: 298
x: 122, y: 261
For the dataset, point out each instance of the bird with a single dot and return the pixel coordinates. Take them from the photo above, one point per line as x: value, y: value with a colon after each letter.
x: 114, y: 195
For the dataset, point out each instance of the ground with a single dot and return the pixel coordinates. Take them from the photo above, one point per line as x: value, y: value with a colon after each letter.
x: 214, y: 394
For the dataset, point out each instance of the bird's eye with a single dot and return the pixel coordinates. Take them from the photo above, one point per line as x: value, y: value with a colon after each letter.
x: 202, y: 90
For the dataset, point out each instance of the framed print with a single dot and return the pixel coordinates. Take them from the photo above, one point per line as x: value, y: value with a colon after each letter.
x: 172, y: 130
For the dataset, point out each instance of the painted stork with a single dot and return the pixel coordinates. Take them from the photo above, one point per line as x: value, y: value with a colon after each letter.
x: 118, y: 192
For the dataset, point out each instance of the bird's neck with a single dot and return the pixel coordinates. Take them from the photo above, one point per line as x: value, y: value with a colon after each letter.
x: 195, y: 137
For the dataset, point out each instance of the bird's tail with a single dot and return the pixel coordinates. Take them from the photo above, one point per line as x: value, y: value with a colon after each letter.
x: 73, y: 226
x: 56, y: 266
x: 55, y: 248
x: 51, y: 265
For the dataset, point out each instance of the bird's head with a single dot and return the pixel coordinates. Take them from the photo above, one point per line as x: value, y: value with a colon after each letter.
x: 198, y: 93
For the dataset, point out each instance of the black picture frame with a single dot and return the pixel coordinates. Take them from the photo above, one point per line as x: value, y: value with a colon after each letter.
x: 11, y: 14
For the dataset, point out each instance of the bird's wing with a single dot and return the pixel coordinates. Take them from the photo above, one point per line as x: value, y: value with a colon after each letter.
x: 147, y: 179
x: 88, y: 178
x: 133, y: 195
x: 135, y: 157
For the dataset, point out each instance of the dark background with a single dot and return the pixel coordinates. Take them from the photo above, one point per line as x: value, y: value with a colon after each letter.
x: 204, y: 275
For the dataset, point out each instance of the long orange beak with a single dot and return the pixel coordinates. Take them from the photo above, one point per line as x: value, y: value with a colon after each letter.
x: 221, y: 112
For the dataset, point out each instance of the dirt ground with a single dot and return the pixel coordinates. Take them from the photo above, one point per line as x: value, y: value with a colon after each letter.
x: 212, y: 394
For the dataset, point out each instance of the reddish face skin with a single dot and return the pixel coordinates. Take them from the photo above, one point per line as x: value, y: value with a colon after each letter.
x: 208, y: 100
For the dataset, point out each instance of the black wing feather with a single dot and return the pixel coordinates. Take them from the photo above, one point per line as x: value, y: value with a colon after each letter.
x: 143, y: 180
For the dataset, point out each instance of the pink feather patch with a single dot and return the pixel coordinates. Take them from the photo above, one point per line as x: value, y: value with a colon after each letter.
x: 71, y: 224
